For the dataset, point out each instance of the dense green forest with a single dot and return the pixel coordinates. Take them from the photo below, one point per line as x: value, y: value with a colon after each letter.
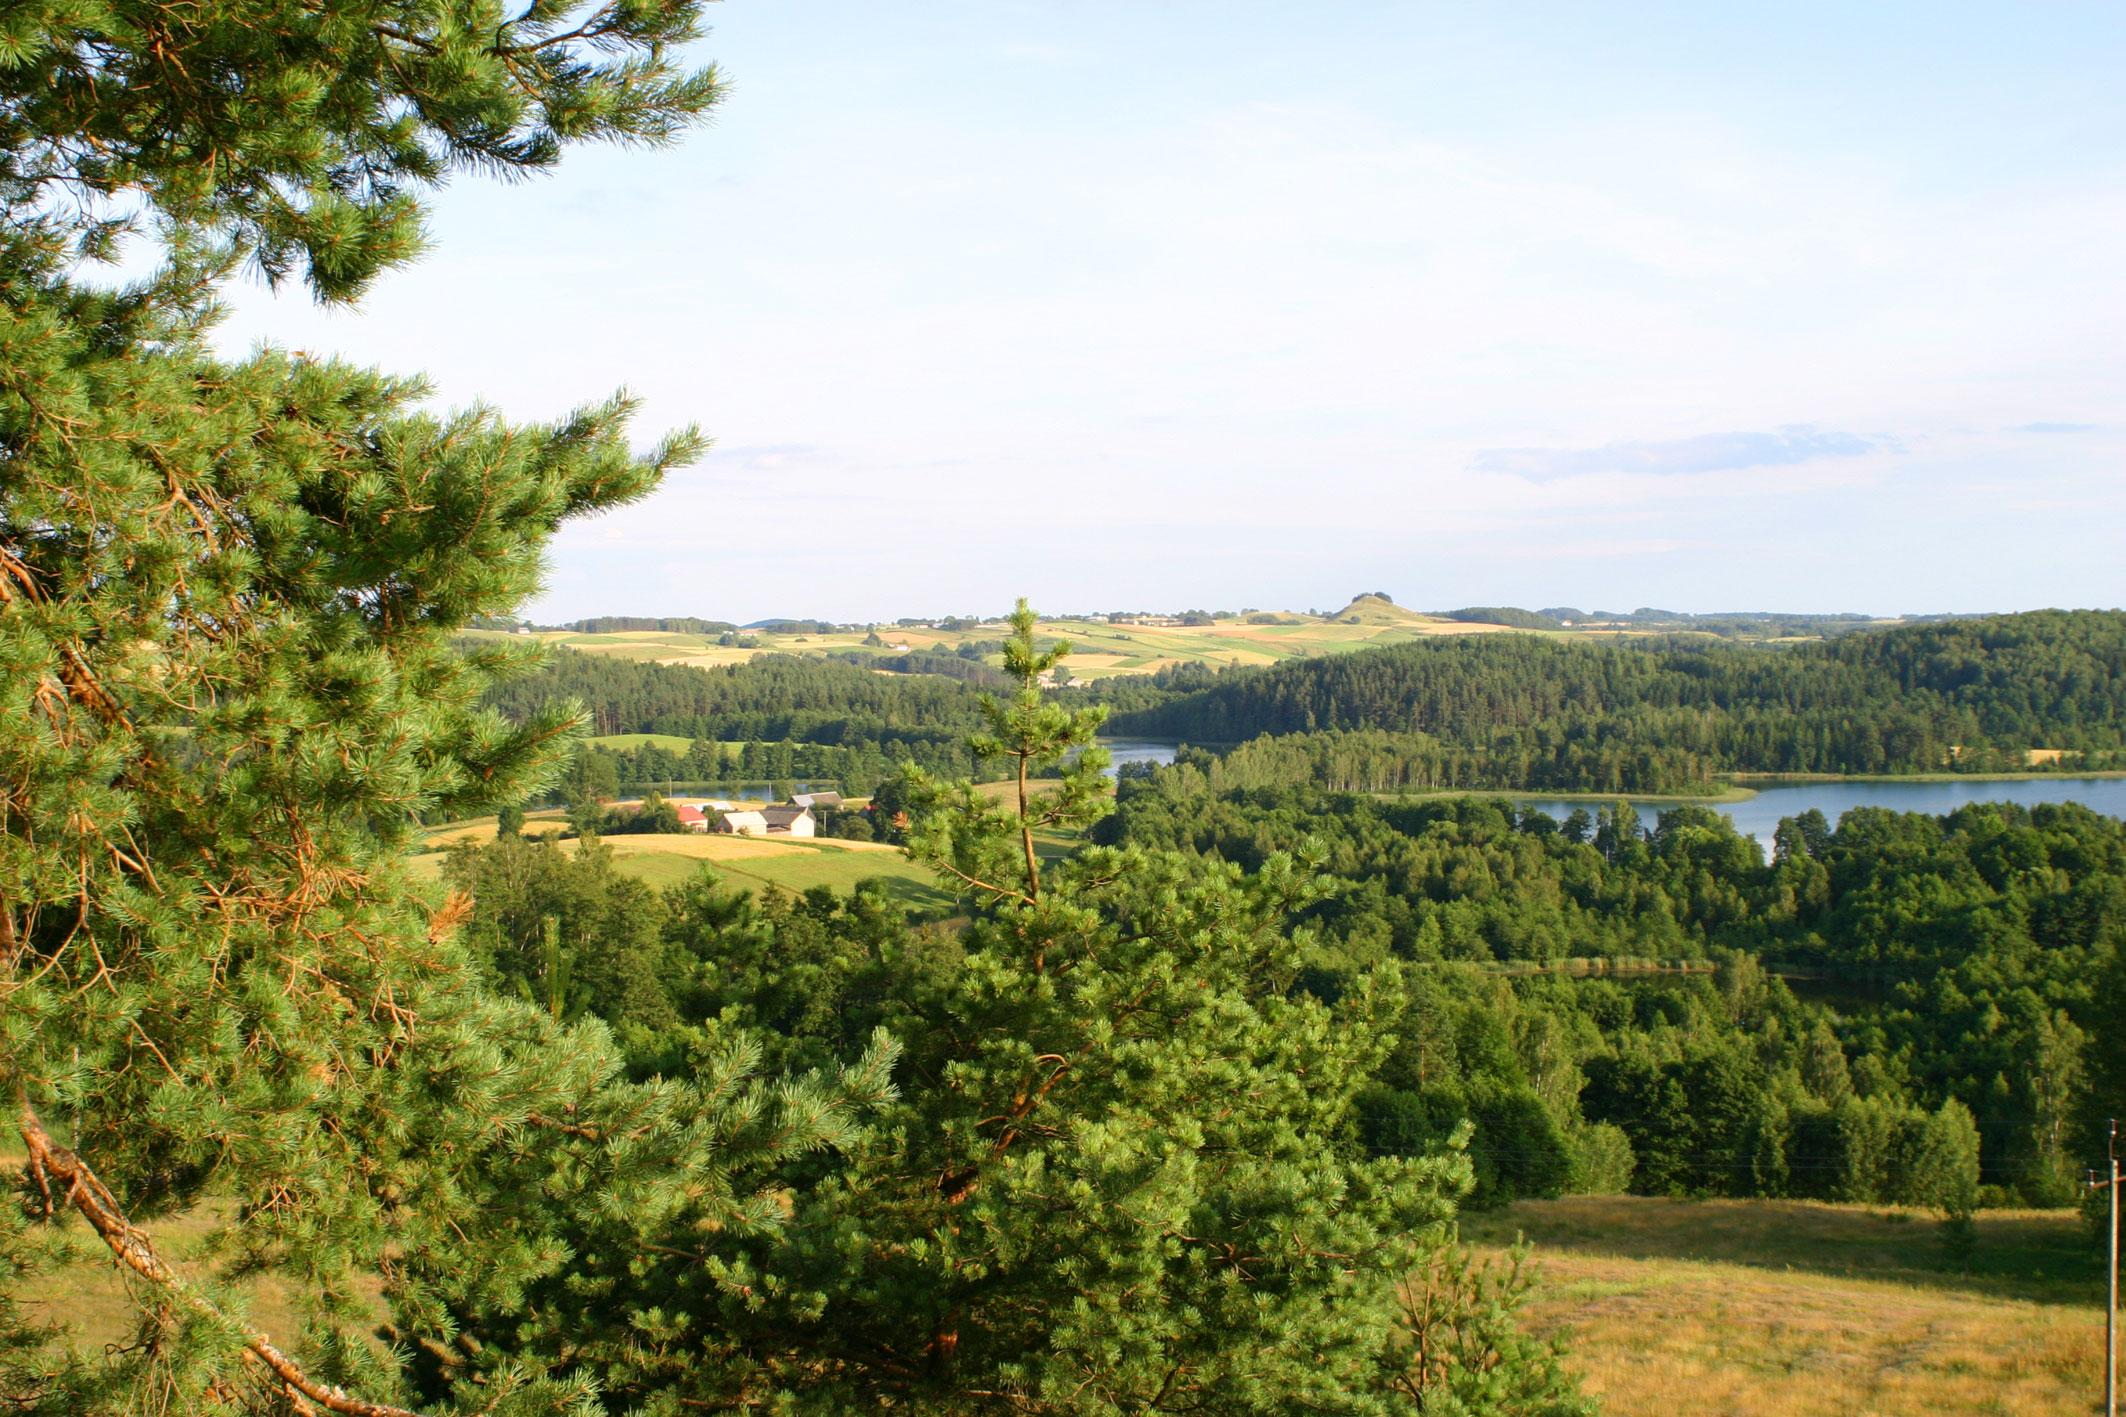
x: 1500, y: 615
x: 1928, y: 1050
x: 1961, y: 954
x: 859, y: 767
x: 1671, y: 714
x: 769, y: 697
x: 1658, y: 715
x: 1550, y: 757
x: 962, y: 666
x: 775, y: 718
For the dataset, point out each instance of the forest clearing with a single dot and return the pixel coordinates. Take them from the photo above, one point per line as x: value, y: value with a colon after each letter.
x: 665, y: 859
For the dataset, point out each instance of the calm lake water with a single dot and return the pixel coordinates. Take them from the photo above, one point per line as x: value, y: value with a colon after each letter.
x: 1132, y: 750
x: 765, y: 792
x: 1760, y: 816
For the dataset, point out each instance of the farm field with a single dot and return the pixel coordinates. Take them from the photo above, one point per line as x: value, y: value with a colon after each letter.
x: 1100, y: 650
x: 482, y: 829
x: 1797, y: 1309
x: 664, y: 860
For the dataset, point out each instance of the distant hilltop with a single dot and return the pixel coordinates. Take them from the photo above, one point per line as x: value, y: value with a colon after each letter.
x: 1373, y: 607
x: 1122, y: 643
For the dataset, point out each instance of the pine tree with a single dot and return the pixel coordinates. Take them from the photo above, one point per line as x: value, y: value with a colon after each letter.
x: 1467, y: 1353
x: 1121, y: 1175
x: 301, y: 135
x: 986, y: 847
x: 227, y: 596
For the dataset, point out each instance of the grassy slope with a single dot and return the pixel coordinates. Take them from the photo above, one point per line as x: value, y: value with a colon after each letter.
x: 624, y: 742
x: 1787, y: 1309
x: 794, y: 865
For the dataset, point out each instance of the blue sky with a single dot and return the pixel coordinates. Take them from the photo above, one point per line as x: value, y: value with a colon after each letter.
x: 1126, y: 305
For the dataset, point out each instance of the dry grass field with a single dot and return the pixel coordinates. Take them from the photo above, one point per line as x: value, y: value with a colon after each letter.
x: 1791, y: 1309
x: 1100, y: 650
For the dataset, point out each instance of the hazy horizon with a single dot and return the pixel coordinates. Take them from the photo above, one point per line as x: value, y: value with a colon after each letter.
x: 1209, y: 306
x: 1051, y: 613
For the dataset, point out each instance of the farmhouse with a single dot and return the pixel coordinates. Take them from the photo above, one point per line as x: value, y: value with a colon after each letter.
x: 692, y: 818
x: 789, y: 819
x: 741, y: 823
x: 816, y: 799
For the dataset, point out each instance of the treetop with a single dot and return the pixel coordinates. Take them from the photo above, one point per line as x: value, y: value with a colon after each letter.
x: 300, y: 133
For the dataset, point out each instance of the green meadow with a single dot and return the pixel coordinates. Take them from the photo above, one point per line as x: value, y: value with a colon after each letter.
x: 750, y: 862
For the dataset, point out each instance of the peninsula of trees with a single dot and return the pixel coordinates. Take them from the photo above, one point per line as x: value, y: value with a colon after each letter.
x: 1669, y: 715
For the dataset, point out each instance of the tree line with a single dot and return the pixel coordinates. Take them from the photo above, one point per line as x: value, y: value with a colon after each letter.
x: 856, y: 768
x: 1667, y: 715
x: 667, y: 624
x: 770, y: 697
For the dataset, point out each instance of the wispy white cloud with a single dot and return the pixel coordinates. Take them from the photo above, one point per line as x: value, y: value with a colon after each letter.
x: 1708, y: 452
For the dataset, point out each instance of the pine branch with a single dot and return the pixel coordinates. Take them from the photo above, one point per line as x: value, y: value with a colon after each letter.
x: 979, y: 884
x: 49, y: 1162
x: 574, y: 1129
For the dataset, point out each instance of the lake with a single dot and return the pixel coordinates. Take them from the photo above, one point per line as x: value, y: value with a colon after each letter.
x: 1136, y: 750
x: 1761, y: 815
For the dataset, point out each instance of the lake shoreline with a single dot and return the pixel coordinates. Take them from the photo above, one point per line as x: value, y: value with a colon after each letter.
x: 1746, y: 786
x: 1805, y: 779
x: 1727, y: 796
x: 1735, y: 786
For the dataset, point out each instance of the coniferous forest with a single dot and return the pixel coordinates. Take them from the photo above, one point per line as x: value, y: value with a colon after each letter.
x: 783, y: 718
x: 1669, y: 715
x: 773, y: 698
